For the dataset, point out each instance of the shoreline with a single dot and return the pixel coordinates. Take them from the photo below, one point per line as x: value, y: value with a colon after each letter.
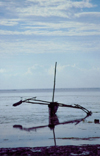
x: 70, y: 150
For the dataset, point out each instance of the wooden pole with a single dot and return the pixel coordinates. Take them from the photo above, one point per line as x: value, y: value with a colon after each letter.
x: 54, y: 82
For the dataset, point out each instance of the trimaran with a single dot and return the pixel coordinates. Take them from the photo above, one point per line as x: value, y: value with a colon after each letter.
x: 53, y: 106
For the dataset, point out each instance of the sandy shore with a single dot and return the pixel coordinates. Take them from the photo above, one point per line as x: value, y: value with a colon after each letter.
x: 87, y: 150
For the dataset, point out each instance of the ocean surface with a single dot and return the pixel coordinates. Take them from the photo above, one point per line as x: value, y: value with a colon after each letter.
x: 28, y: 125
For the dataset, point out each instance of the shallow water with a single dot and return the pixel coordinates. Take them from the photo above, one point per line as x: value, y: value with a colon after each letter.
x: 27, y: 125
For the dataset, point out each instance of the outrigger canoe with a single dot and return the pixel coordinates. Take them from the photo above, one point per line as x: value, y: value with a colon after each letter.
x: 53, y: 106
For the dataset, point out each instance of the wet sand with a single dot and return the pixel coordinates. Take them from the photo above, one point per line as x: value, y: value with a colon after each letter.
x: 87, y: 150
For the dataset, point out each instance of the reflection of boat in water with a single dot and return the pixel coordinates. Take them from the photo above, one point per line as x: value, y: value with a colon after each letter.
x: 53, y: 106
x: 53, y: 121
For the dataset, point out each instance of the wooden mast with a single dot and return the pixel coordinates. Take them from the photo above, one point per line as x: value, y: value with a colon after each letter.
x: 53, y: 106
x: 54, y: 82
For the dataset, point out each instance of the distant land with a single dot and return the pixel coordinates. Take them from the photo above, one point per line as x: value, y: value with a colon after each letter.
x: 49, y: 90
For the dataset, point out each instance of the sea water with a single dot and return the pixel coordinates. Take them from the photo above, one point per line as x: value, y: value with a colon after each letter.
x: 27, y: 125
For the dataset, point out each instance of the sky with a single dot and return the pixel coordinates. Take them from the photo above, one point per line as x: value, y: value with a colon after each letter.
x: 34, y: 34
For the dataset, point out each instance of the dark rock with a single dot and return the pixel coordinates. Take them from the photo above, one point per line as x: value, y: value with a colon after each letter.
x: 86, y: 150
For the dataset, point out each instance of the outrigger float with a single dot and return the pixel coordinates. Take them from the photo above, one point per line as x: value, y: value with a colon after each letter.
x: 53, y: 106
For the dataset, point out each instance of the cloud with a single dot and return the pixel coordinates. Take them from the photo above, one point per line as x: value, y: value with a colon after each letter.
x: 30, y: 70
x: 42, y: 8
x: 35, y: 31
x: 2, y: 70
x: 33, y: 70
x: 9, y: 22
x: 60, y: 68
x: 52, y: 8
x: 60, y: 29
x: 22, y: 46
x: 83, y: 4
x: 39, y: 17
x: 88, y: 17
x: 92, y: 14
x: 96, y: 69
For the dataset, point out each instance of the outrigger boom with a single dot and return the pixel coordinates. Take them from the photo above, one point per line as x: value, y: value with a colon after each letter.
x: 53, y: 106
